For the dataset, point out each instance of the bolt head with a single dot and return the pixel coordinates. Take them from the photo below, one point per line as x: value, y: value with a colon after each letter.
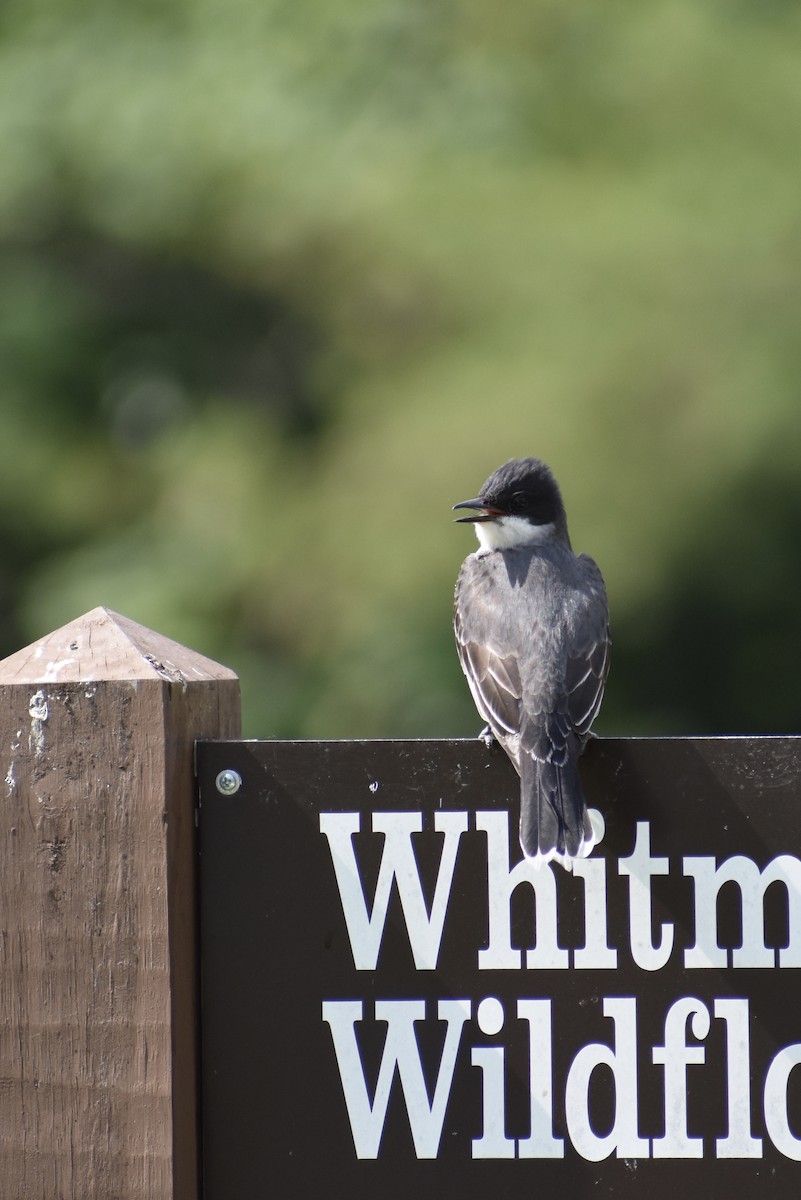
x: 228, y: 782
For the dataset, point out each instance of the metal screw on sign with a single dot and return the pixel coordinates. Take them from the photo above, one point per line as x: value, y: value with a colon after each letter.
x: 228, y: 782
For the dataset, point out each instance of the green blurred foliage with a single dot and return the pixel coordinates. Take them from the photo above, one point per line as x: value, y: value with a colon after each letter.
x: 280, y: 283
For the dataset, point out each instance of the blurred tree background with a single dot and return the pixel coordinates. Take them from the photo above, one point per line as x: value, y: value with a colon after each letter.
x: 281, y: 282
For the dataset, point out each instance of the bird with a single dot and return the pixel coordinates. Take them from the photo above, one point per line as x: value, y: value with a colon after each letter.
x: 531, y: 621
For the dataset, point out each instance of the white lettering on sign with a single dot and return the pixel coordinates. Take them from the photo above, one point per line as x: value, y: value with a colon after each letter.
x: 675, y: 1056
x: 541, y: 1142
x: 753, y: 884
x: 398, y: 863
x: 776, y: 1081
x: 740, y: 1141
x: 624, y: 1139
x: 641, y: 868
x: 671, y: 1065
x: 621, y: 1059
x: 424, y: 929
x: 501, y: 883
x: 400, y: 1050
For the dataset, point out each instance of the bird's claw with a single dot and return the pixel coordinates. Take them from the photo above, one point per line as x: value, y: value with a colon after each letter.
x: 487, y: 737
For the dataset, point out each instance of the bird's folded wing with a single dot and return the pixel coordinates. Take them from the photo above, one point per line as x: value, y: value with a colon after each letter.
x: 588, y: 659
x: 494, y: 680
x: 584, y: 683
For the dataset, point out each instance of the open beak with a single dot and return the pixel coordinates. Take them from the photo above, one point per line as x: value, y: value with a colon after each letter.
x: 483, y: 513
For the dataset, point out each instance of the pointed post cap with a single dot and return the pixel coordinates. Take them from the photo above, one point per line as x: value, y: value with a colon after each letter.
x: 103, y: 645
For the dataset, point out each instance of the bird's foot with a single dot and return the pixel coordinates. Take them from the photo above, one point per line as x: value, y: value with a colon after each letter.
x: 487, y: 737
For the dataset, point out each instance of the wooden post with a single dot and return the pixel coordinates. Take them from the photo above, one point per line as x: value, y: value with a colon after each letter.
x: 98, y: 933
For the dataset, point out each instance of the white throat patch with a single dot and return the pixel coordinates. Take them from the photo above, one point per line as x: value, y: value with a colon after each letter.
x: 510, y: 533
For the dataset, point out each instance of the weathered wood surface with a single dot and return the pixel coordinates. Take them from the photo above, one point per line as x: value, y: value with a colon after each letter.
x: 98, y: 964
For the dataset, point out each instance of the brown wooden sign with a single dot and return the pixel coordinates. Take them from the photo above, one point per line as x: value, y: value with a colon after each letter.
x: 395, y: 1003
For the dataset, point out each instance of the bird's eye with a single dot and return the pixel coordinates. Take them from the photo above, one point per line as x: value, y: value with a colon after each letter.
x: 518, y: 501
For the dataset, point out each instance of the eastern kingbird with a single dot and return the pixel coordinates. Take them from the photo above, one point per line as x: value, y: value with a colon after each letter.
x: 532, y: 630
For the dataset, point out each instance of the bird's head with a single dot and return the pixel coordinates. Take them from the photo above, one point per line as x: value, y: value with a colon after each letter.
x: 519, y: 505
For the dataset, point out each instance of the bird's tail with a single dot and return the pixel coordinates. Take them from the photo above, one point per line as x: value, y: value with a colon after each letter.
x: 554, y: 822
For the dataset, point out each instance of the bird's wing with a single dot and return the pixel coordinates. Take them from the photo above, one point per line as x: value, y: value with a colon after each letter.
x: 557, y: 714
x: 584, y: 682
x: 494, y: 679
x: 588, y: 658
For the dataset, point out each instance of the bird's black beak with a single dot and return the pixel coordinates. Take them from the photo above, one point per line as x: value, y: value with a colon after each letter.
x: 484, y: 511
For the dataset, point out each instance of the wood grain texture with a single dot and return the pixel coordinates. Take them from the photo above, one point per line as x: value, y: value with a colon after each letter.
x: 98, y: 962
